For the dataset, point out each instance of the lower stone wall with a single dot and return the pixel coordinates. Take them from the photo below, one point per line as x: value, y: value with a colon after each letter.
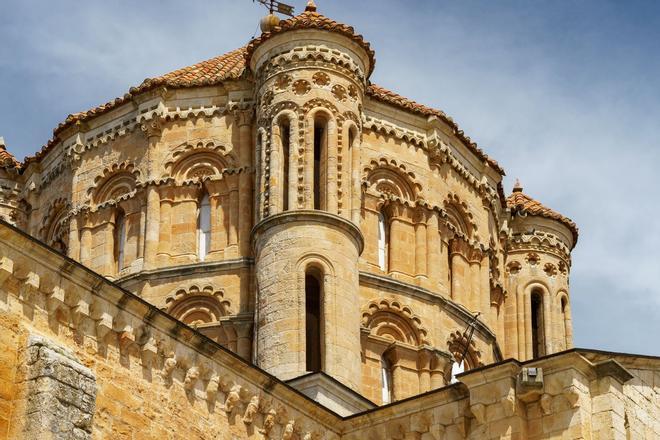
x: 81, y: 358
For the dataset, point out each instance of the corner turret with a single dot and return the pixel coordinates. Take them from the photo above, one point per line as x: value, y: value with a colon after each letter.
x: 537, y: 268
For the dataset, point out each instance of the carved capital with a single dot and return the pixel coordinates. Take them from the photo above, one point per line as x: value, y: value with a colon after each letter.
x: 243, y: 116
x: 152, y: 128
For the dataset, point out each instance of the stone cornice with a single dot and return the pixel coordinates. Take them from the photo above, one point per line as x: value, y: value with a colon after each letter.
x: 310, y: 217
x: 187, y: 269
x: 454, y: 308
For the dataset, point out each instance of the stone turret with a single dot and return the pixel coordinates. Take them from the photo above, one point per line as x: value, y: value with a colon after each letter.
x: 538, y: 319
x: 311, y: 75
x: 12, y: 210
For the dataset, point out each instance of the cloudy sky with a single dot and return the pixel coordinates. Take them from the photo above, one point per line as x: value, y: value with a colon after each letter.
x: 564, y: 94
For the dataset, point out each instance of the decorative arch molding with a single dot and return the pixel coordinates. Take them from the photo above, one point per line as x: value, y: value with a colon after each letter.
x: 389, y: 178
x: 316, y: 262
x: 391, y: 320
x: 335, y: 59
x: 114, y: 183
x: 194, y: 305
x: 195, y: 161
x: 54, y: 231
x: 313, y: 106
x: 458, y: 346
x: 460, y: 219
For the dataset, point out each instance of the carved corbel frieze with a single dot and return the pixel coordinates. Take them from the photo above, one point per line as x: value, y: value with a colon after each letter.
x: 152, y: 128
x: 101, y: 313
x: 251, y: 410
x: 212, y: 389
x: 233, y: 398
x: 191, y: 378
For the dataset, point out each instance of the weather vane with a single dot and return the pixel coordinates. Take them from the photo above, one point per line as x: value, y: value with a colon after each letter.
x: 275, y: 6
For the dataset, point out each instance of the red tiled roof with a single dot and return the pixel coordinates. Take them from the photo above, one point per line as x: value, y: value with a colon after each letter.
x: 310, y: 19
x: 386, y: 96
x: 232, y: 65
x: 519, y: 201
x: 7, y: 160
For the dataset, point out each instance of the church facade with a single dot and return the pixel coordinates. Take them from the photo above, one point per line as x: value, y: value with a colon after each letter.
x: 268, y: 245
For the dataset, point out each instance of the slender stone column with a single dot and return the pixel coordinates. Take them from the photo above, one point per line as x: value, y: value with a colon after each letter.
x: 424, y: 368
x: 433, y: 250
x: 332, y: 204
x: 309, y: 165
x: 74, y: 240
x: 152, y: 229
x: 245, y: 182
x: 86, y: 245
x: 165, y: 229
x: 420, y: 249
x: 275, y: 190
x: 233, y: 217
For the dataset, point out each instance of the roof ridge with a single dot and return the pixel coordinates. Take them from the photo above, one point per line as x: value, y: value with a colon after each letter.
x: 518, y: 200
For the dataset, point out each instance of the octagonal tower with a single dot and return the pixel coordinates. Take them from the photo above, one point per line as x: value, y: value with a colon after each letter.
x: 311, y: 76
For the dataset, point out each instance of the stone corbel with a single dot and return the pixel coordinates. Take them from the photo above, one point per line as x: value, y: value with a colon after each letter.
x: 212, y: 389
x: 29, y: 279
x: 191, y: 378
x: 103, y: 317
x: 152, y: 128
x: 233, y: 398
x: 251, y: 410
x: 6, y: 269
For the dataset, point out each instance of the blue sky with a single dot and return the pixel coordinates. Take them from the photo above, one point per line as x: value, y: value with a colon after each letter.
x: 564, y: 94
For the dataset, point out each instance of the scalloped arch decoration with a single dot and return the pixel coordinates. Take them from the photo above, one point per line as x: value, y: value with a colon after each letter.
x: 391, y: 320
x: 392, y: 179
x: 203, y: 159
x: 195, y: 305
x: 458, y: 346
x: 115, y: 181
x: 53, y: 230
x: 459, y: 216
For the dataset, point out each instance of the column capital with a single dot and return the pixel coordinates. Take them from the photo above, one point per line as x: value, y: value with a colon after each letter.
x: 243, y: 116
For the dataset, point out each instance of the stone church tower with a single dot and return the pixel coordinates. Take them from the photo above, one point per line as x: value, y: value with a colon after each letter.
x: 270, y: 234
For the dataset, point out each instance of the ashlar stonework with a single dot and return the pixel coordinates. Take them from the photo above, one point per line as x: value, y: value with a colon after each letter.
x: 266, y: 245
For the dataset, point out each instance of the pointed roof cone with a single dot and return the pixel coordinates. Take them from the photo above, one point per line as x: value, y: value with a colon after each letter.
x: 311, y: 6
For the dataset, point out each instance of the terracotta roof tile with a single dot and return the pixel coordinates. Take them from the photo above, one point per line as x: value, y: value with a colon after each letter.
x: 519, y: 201
x: 232, y: 65
x: 310, y: 19
x: 386, y: 96
x: 7, y: 160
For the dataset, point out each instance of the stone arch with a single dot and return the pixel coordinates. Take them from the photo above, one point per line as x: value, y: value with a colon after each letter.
x: 195, y: 305
x: 54, y: 231
x: 391, y: 320
x: 195, y: 161
x: 389, y: 178
x: 114, y: 183
x: 459, y: 217
x: 462, y: 350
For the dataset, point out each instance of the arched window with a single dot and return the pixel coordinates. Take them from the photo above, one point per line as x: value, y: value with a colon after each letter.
x: 538, y: 334
x: 120, y: 239
x: 313, y: 294
x: 457, y: 368
x: 320, y: 168
x: 383, y: 242
x: 286, y: 146
x: 204, y: 227
x: 386, y: 380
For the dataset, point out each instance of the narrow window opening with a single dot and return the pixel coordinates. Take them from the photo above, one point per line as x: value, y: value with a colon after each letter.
x: 204, y: 227
x: 120, y: 239
x: 538, y: 338
x: 564, y: 305
x: 383, y: 242
x: 456, y: 369
x: 386, y: 380
x: 320, y: 140
x: 312, y: 323
x: 285, y: 136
